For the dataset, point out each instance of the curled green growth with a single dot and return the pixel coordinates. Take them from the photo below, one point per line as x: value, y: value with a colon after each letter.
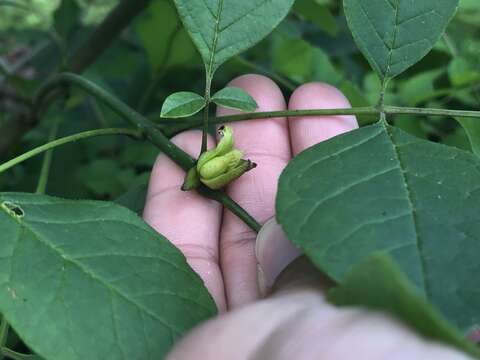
x: 220, y: 166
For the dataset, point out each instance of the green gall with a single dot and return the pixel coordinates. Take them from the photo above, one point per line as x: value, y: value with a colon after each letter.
x: 220, y: 166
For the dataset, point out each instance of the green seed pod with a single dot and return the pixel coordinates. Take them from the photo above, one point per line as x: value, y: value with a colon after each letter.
x: 218, y: 167
x: 225, y: 145
x: 224, y: 179
x: 220, y: 164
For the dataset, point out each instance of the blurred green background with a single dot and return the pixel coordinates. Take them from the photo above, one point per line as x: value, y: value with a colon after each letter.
x: 154, y: 57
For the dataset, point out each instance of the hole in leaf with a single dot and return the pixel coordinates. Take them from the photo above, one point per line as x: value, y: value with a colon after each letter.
x: 13, y: 209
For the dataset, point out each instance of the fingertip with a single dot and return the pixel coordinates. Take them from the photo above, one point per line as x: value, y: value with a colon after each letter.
x: 274, y: 253
x: 265, y: 142
x: 307, y: 131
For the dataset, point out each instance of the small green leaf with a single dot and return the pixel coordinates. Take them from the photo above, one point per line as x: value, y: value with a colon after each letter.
x: 472, y: 128
x: 235, y: 98
x: 395, y: 34
x: 91, y: 280
x: 378, y: 284
x: 182, y: 104
x: 222, y: 29
x: 379, y: 189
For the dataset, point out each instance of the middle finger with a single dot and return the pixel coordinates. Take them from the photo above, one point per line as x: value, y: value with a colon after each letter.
x: 265, y: 142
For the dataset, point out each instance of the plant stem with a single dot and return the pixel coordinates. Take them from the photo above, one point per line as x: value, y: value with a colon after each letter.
x: 118, y: 19
x: 47, y: 161
x: 160, y: 72
x: 431, y: 112
x: 188, y: 124
x: 3, y: 335
x: 65, y: 140
x: 154, y: 135
x: 227, y: 202
x: 206, y: 113
x: 392, y: 110
x: 450, y: 45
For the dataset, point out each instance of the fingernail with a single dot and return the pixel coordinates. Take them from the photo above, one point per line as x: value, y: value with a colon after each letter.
x: 274, y: 253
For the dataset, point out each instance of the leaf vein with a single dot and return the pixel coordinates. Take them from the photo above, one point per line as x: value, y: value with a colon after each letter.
x: 100, y: 280
x: 343, y: 190
x: 408, y: 193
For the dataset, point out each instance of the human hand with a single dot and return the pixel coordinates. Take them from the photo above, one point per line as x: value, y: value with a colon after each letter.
x: 295, y: 321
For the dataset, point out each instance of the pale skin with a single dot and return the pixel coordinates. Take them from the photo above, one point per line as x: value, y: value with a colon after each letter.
x: 294, y: 321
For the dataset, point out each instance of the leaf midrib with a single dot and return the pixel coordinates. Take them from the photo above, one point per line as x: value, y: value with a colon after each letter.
x: 213, y: 51
x: 394, y: 41
x: 408, y: 191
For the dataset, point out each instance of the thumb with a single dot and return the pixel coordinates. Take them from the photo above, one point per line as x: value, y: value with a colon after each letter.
x: 281, y: 266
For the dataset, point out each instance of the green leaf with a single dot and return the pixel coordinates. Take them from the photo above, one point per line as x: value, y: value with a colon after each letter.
x: 134, y: 199
x: 182, y: 104
x: 356, y: 97
x: 90, y: 280
x: 235, y: 98
x: 103, y: 177
x: 318, y: 14
x: 379, y: 189
x: 395, y: 34
x: 420, y: 88
x: 222, y: 29
x: 378, y: 284
x: 165, y: 43
x: 472, y: 128
x: 294, y: 58
x: 323, y: 68
x: 462, y: 72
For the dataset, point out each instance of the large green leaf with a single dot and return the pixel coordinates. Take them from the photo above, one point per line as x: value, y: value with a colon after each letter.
x: 395, y: 34
x: 90, y: 280
x: 381, y: 189
x: 224, y: 28
x: 378, y: 284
